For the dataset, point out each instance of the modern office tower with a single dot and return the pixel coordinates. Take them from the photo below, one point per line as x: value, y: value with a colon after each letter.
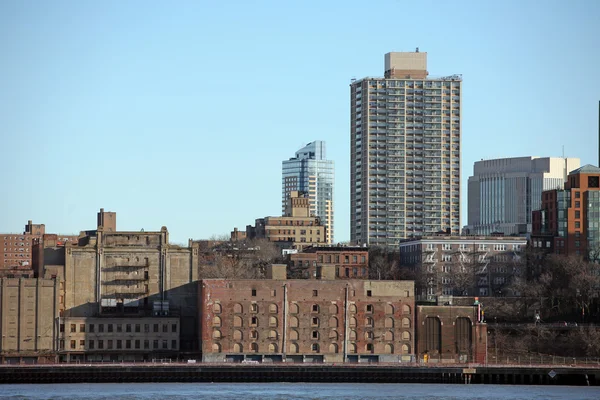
x: 405, y: 153
x: 503, y: 192
x: 310, y: 172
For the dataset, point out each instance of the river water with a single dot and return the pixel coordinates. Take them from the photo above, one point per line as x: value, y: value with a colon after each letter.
x: 284, y: 391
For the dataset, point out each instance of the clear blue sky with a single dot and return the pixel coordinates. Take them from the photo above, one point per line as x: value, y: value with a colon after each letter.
x: 180, y: 113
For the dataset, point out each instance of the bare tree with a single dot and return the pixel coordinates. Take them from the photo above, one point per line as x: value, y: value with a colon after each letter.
x: 383, y: 263
x: 238, y: 260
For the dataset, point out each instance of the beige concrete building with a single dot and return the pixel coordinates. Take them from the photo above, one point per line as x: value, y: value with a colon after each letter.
x: 405, y: 139
x: 297, y: 228
x: 125, y: 276
x: 307, y: 320
x: 28, y: 319
x: 119, y: 339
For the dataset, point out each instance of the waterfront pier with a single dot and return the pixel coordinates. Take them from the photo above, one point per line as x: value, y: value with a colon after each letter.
x: 170, y: 372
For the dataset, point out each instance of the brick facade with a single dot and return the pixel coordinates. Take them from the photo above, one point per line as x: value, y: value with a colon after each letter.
x: 450, y: 334
x: 349, y: 262
x: 306, y: 320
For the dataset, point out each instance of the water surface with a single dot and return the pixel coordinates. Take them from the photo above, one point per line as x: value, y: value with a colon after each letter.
x: 284, y: 391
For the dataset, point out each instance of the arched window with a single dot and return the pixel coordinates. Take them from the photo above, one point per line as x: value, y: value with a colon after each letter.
x: 253, y: 347
x: 406, y: 309
x: 405, y: 322
x: 216, y: 321
x: 272, y: 334
x: 315, y: 308
x: 369, y: 308
x: 272, y: 322
x: 369, y: 322
x: 333, y: 348
x: 238, y: 335
x: 405, y: 349
x: 333, y: 309
x: 333, y: 322
x: 216, y: 334
x: 293, y: 348
x: 237, y: 348
x: 389, y: 322
x: 294, y: 308
x: 253, y: 308
x: 254, y: 335
x: 463, y: 336
x: 389, y: 309
x: 293, y: 334
x: 352, y: 348
x: 352, y: 335
x: 389, y: 349
x: 314, y: 321
x: 217, y: 308
x: 315, y: 335
x: 352, y: 308
x: 369, y: 335
x: 352, y: 322
x: 433, y: 336
x: 294, y: 322
x: 369, y: 348
x: 238, y: 322
x: 238, y: 309
x: 389, y: 336
x: 315, y: 347
x: 216, y: 348
x: 333, y: 335
x: 405, y: 335
x: 272, y: 347
x: 273, y: 308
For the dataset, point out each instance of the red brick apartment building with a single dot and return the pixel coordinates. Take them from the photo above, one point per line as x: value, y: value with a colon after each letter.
x: 569, y: 220
x: 17, y: 256
x: 349, y: 262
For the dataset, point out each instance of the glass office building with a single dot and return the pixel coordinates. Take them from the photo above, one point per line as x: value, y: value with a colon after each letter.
x: 310, y: 172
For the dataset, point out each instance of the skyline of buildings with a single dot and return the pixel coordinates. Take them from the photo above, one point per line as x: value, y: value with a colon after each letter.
x: 309, y: 171
x: 125, y: 296
x: 405, y: 153
x: 503, y: 192
x: 405, y: 174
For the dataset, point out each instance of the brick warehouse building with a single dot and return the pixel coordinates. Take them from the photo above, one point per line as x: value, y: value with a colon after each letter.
x: 307, y: 320
x: 281, y: 320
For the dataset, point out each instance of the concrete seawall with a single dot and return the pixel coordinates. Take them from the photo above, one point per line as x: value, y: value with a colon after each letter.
x: 65, y: 373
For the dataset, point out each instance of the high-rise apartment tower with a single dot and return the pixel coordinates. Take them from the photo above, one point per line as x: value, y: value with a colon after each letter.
x: 405, y: 153
x: 310, y: 172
